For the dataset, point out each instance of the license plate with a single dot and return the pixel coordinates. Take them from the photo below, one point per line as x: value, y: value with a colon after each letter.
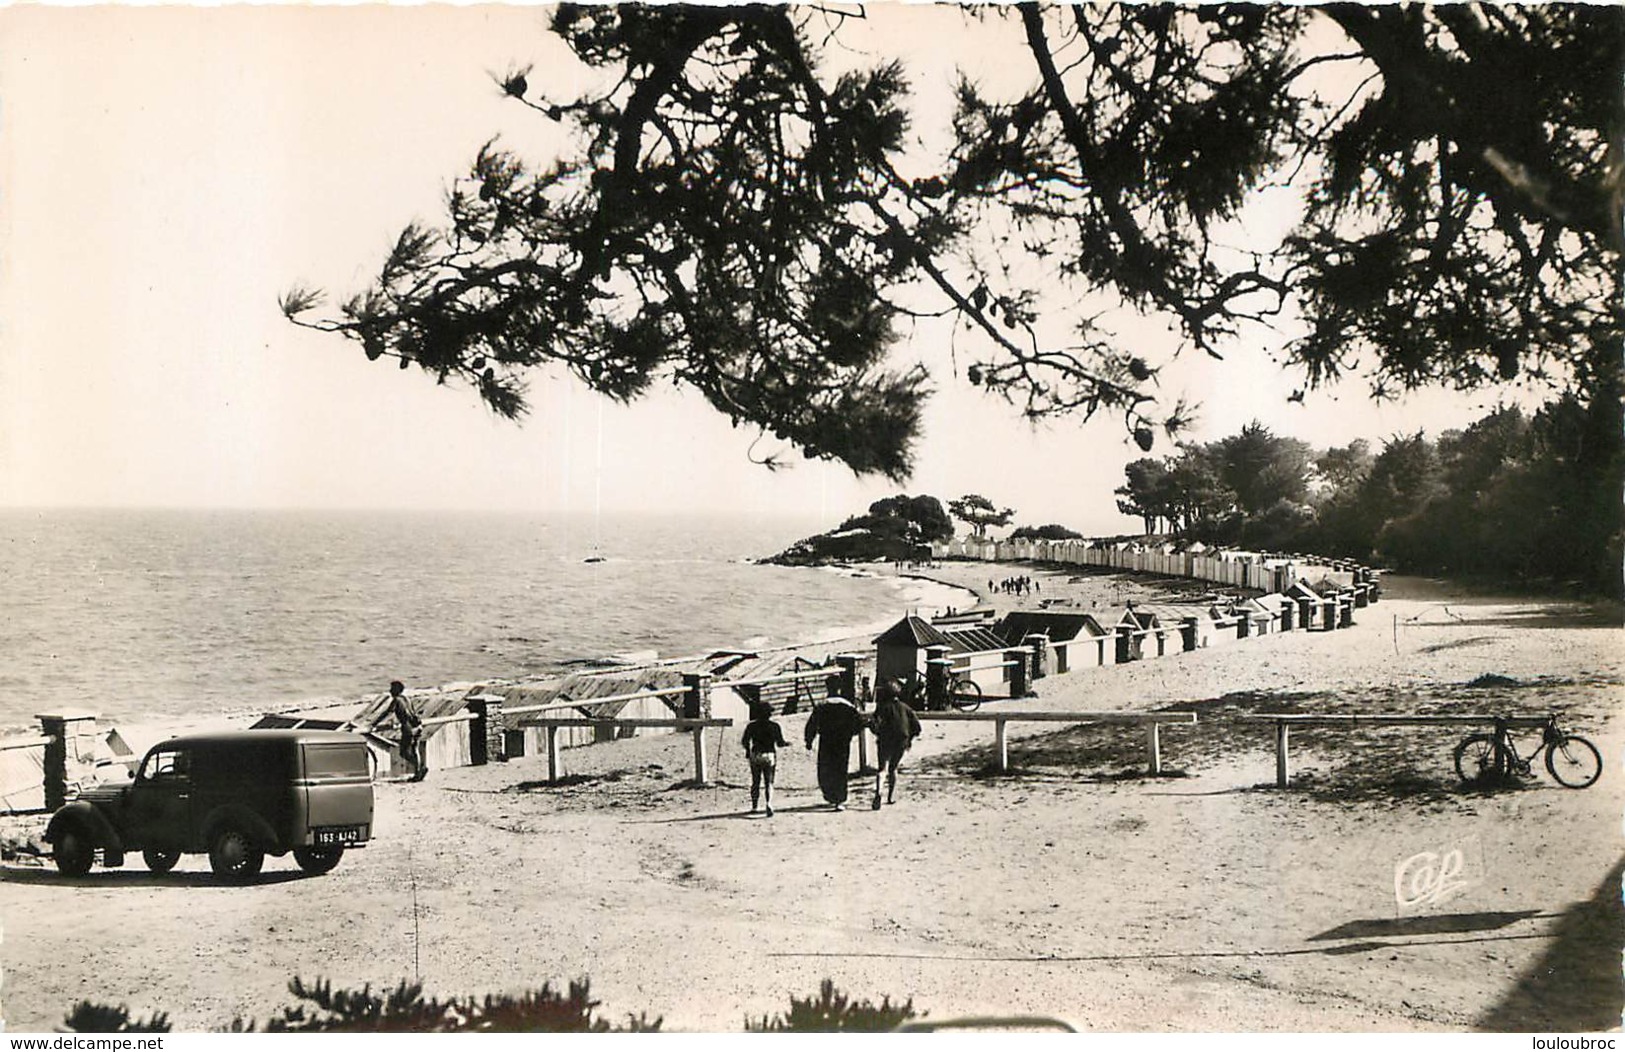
x: 340, y: 835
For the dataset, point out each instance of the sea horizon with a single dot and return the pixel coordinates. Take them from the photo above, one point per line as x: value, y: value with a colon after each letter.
x: 152, y: 615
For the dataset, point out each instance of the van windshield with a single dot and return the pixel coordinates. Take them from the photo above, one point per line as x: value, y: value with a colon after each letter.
x: 336, y: 761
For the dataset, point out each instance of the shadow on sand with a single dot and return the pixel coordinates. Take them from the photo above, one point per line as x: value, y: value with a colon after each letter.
x: 137, y: 878
x: 725, y: 816
x: 1575, y: 986
x: 1437, y: 925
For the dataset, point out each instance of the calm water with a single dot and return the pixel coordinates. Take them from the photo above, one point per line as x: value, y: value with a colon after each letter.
x: 141, y: 615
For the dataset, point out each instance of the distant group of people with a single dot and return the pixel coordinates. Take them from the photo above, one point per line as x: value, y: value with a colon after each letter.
x: 1022, y: 585
x: 833, y: 724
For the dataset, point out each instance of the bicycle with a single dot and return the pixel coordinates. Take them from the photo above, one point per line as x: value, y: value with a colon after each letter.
x: 964, y: 693
x: 1572, y: 761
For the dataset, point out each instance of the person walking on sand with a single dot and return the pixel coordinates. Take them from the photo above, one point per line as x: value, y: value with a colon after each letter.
x: 762, y: 739
x: 411, y: 730
x: 834, y: 723
x: 895, y: 727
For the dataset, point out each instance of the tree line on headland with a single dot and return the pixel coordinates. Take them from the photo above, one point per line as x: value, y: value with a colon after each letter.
x: 1527, y: 498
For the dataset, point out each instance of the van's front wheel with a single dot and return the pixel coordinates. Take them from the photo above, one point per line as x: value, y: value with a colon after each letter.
x: 160, y: 861
x: 233, y: 855
x: 317, y: 860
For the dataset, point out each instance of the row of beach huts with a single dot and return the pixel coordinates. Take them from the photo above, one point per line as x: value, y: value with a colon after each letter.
x: 1255, y: 594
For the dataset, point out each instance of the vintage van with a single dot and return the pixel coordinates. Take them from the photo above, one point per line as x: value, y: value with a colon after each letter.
x: 237, y: 796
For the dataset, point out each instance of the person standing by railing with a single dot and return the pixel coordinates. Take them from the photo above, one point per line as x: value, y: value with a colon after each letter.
x: 411, y: 730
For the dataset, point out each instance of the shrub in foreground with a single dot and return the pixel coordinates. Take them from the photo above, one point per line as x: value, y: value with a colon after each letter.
x: 321, y: 1008
x: 832, y: 1011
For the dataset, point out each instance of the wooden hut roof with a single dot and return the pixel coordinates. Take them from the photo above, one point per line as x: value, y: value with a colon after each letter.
x: 1139, y: 617
x: 428, y: 704
x: 912, y: 631
x: 973, y: 640
x: 1273, y: 602
x: 584, y: 686
x: 1170, y: 614
x: 1059, y: 626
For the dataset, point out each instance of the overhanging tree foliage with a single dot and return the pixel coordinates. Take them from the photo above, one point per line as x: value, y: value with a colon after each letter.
x: 738, y: 220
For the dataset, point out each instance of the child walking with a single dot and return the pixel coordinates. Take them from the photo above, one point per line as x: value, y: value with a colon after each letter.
x: 762, y: 739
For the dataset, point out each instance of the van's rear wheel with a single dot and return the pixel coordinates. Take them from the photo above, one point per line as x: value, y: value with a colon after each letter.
x: 160, y: 861
x: 317, y: 860
x: 233, y: 855
x: 73, y: 853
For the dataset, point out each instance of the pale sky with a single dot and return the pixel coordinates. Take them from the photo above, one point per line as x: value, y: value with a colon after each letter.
x: 166, y: 172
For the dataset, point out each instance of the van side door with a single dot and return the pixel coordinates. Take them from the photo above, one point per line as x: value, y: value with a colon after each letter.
x: 160, y: 809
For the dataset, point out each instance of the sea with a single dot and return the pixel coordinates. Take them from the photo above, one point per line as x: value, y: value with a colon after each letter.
x: 171, y: 617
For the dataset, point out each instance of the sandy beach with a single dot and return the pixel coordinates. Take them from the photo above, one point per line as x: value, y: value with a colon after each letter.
x: 1075, y: 886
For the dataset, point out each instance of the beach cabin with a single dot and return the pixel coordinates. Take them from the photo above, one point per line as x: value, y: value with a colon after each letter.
x: 1254, y: 618
x: 1184, y: 627
x: 1140, y: 634
x: 1074, y: 639
x: 976, y: 644
x: 444, y: 744
x: 574, y: 695
x: 900, y: 650
x: 1338, y: 599
x: 767, y: 679
x: 1309, y: 604
x: 1187, y: 627
x: 1281, y: 611
x: 1239, y: 618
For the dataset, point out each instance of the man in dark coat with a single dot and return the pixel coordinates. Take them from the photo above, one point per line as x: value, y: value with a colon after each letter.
x: 895, y: 727
x: 834, y: 723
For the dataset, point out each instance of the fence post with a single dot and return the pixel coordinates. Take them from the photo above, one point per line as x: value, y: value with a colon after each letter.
x: 1040, y: 648
x: 849, y: 675
x: 701, y: 775
x: 849, y: 687
x: 555, y: 762
x: 71, y: 753
x: 1002, y: 743
x: 696, y: 696
x: 485, y: 737
x: 936, y: 676
x: 1280, y: 753
x: 1153, y: 741
x: 1018, y: 672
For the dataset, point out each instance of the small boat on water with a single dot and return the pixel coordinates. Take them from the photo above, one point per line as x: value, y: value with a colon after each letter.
x: 595, y: 559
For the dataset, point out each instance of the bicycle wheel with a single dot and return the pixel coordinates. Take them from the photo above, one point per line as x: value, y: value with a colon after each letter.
x: 1480, y: 760
x: 1573, y: 762
x: 965, y: 694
